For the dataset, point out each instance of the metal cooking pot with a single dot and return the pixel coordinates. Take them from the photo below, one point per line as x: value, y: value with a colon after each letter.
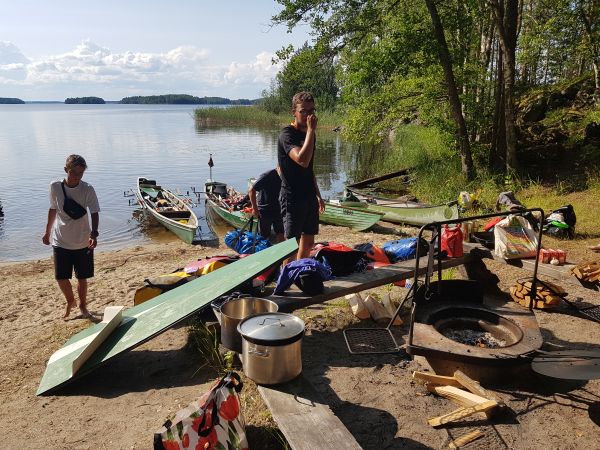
x: 271, y: 347
x: 236, y: 309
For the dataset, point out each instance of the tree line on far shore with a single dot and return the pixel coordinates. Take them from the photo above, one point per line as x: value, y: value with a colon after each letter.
x: 169, y: 99
x: 10, y: 101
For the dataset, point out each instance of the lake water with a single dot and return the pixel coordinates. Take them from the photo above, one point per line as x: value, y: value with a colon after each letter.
x: 120, y: 143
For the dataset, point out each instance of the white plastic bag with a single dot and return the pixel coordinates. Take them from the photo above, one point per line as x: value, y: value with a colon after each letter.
x: 515, y: 238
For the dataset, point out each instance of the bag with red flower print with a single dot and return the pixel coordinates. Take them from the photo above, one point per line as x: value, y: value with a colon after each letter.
x: 214, y: 421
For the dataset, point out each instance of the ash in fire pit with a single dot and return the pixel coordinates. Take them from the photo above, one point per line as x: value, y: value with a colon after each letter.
x: 476, y: 338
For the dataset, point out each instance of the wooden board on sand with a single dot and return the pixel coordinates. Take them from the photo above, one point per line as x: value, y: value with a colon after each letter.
x: 142, y: 322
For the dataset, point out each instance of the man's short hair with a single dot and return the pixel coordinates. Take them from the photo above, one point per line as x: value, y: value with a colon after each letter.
x: 300, y: 97
x: 75, y: 161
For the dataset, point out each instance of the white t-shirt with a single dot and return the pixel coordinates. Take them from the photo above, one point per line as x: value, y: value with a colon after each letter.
x: 66, y: 232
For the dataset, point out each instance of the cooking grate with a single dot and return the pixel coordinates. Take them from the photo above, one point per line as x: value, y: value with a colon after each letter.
x: 370, y: 340
x: 593, y: 312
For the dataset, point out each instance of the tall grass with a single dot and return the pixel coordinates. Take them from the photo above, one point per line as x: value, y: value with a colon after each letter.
x: 255, y: 116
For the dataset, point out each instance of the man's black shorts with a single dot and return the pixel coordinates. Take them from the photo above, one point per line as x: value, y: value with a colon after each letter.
x: 266, y: 222
x: 300, y: 217
x: 65, y: 261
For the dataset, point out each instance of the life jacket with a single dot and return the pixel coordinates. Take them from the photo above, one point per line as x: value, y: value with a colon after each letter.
x: 341, y: 259
x: 208, y: 264
x: 373, y: 252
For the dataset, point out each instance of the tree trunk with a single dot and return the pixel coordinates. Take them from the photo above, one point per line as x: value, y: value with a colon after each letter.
x: 506, y: 22
x: 594, y: 45
x: 466, y: 158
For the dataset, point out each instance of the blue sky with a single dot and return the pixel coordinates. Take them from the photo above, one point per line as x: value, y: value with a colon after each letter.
x: 54, y: 49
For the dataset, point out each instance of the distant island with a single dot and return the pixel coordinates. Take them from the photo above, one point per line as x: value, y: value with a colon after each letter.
x: 11, y: 101
x: 85, y: 101
x: 183, y: 99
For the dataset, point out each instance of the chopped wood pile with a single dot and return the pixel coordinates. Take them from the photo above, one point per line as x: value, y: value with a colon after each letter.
x: 548, y: 295
x: 463, y: 391
x: 587, y: 271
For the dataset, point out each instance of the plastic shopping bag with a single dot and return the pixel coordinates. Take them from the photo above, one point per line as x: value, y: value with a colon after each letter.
x: 214, y: 421
x: 515, y: 238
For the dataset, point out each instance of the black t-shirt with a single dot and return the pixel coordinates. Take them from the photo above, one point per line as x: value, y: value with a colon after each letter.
x: 267, y: 187
x: 297, y: 183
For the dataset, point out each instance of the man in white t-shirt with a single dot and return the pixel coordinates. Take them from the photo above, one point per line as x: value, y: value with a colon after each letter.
x: 72, y: 239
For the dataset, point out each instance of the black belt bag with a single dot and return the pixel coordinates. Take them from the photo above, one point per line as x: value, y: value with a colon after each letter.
x: 73, y: 209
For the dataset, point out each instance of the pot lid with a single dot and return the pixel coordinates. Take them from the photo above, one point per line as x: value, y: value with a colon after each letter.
x: 569, y: 364
x: 269, y: 327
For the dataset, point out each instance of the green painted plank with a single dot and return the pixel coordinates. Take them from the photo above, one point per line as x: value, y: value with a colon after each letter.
x: 142, y: 322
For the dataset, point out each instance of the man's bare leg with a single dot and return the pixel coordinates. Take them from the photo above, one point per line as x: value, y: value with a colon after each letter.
x: 82, y: 287
x: 307, y: 242
x: 67, y: 290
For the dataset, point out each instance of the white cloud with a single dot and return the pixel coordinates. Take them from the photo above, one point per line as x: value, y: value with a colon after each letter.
x: 91, y: 69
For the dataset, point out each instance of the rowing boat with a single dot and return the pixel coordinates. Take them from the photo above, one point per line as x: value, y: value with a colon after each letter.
x: 168, y: 209
x: 228, y: 204
x: 404, y: 212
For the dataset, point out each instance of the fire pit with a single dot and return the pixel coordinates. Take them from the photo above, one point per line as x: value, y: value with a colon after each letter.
x: 487, y: 343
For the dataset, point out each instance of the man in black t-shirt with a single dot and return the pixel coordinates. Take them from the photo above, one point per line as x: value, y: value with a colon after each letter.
x: 300, y: 197
x: 264, y: 198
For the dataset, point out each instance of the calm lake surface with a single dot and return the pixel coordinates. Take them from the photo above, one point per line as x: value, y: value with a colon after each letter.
x: 120, y: 143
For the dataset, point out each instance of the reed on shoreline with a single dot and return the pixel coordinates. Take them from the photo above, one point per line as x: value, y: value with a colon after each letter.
x: 256, y: 116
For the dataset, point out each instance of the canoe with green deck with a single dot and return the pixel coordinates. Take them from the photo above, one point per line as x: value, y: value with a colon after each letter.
x: 401, y: 212
x: 219, y: 196
x: 169, y: 210
x: 222, y: 198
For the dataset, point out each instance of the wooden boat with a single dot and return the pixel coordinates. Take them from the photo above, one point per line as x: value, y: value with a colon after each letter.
x: 169, y: 210
x: 223, y: 199
x: 403, y: 212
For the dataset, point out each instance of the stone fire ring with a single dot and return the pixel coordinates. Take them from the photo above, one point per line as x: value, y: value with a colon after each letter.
x: 510, y: 322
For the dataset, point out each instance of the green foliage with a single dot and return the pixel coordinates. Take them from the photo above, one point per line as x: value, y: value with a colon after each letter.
x: 306, y: 69
x: 182, y: 99
x: 85, y: 100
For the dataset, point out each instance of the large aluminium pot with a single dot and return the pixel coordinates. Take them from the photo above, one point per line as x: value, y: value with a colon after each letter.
x: 271, y: 347
x: 235, y: 310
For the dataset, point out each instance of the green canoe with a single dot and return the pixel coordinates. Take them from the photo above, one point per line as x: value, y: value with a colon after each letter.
x: 411, y: 215
x: 358, y: 219
x: 169, y: 210
x: 218, y: 197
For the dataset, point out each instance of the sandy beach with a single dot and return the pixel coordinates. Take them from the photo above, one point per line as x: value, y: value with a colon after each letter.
x: 121, y: 404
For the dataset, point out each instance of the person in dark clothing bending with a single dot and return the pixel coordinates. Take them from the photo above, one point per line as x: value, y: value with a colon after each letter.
x: 264, y: 198
x: 300, y: 197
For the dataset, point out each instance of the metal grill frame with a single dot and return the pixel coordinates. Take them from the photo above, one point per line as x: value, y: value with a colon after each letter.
x: 379, y: 335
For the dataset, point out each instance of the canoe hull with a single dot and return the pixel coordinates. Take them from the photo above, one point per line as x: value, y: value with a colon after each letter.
x: 185, y: 231
x: 358, y: 219
x: 411, y: 215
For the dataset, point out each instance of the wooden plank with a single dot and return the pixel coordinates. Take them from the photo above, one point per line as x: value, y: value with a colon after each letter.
x: 460, y: 396
x: 142, y: 322
x: 304, y: 419
x: 358, y: 282
x: 466, y: 439
x: 435, y: 379
x: 462, y: 413
x: 113, y: 316
x: 474, y: 387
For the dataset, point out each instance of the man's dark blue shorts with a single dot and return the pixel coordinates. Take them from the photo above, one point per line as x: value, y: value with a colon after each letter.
x: 82, y: 260
x: 300, y: 216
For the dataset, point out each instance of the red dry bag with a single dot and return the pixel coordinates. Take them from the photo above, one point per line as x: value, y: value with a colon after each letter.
x: 452, y: 241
